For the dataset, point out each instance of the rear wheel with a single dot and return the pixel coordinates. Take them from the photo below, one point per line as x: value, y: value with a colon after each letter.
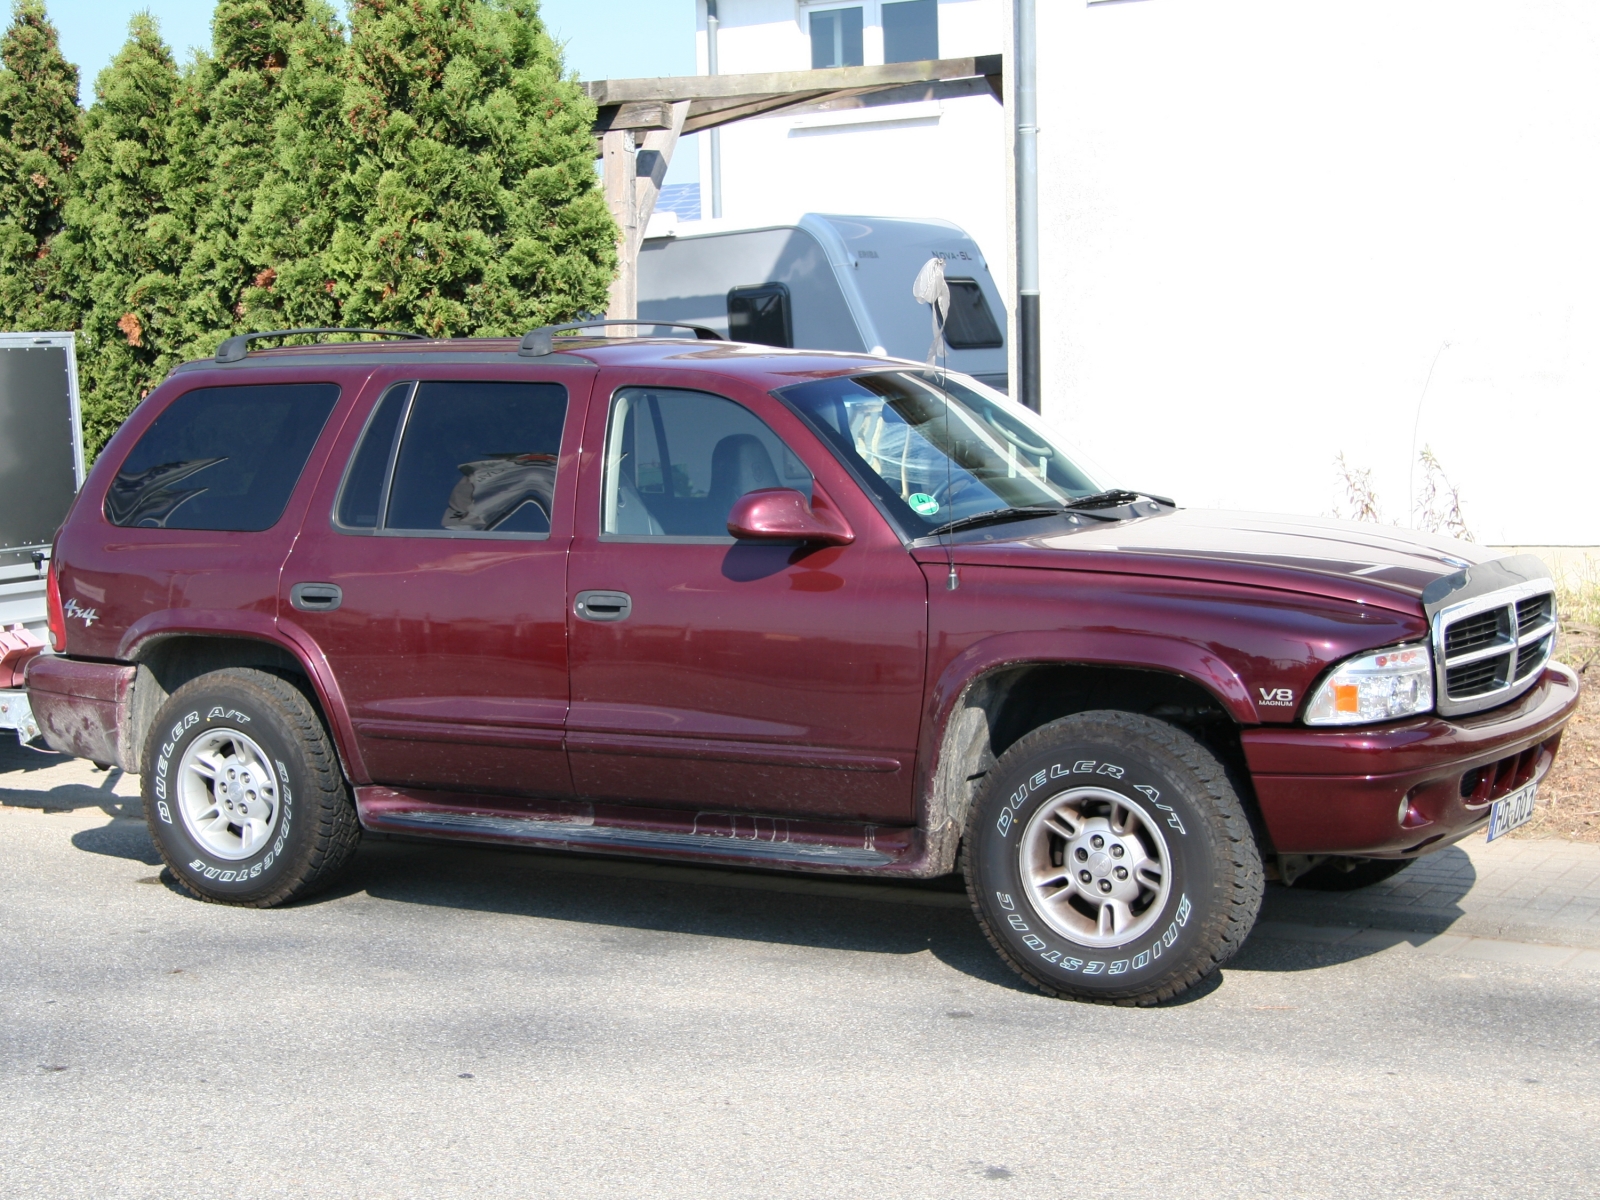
x: 244, y: 797
x: 1108, y: 858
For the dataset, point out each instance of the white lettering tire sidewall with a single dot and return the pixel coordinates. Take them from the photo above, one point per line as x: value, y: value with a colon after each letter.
x: 1143, y: 963
x: 234, y: 879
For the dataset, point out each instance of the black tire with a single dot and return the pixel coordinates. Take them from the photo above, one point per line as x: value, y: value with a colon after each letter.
x: 303, y: 814
x: 1349, y: 874
x: 1176, y: 808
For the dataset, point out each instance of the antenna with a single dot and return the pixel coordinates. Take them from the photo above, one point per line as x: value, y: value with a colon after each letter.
x: 931, y: 289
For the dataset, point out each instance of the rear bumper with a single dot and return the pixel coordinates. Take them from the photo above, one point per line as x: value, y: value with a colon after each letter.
x: 85, y: 709
x: 1339, y: 791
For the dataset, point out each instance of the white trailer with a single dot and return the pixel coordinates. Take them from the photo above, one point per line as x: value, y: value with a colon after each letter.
x: 41, y: 469
x: 828, y: 282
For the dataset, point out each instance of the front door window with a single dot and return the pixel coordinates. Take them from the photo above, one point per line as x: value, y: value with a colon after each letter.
x: 677, y: 460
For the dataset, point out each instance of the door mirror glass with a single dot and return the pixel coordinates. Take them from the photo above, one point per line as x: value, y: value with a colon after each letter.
x: 783, y: 515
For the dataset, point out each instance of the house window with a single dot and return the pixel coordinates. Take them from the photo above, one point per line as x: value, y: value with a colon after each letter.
x: 910, y: 30
x: 836, y: 38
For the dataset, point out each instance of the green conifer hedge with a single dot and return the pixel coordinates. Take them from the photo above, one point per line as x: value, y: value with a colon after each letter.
x: 428, y: 169
x: 41, y: 135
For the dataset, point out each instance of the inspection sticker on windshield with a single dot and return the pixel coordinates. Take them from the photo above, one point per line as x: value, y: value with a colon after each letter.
x: 1516, y: 809
x: 922, y: 504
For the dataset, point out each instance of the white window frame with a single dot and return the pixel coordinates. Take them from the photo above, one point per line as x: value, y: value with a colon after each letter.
x: 871, y: 25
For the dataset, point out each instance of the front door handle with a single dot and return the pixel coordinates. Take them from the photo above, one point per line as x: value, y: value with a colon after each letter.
x: 603, y: 606
x: 316, y: 597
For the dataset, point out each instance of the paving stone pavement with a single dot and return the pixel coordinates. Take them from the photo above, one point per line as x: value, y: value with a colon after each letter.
x: 1533, y: 890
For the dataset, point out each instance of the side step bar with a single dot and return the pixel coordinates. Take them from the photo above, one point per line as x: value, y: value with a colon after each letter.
x: 653, y: 833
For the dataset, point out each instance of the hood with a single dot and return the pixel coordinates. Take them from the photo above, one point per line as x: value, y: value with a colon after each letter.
x: 1341, y: 559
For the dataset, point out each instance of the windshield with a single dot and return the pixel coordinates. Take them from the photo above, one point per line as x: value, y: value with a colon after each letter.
x: 936, y: 448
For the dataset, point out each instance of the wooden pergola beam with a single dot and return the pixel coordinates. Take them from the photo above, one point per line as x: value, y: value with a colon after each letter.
x: 827, y: 79
x: 640, y: 120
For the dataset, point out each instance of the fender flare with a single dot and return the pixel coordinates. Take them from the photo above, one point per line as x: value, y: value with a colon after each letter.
x: 257, y: 627
x: 941, y: 820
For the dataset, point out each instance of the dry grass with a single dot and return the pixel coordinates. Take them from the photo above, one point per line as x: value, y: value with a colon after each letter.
x: 1569, y: 797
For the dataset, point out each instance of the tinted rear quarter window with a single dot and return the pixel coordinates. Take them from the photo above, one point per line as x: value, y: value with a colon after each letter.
x: 223, y: 458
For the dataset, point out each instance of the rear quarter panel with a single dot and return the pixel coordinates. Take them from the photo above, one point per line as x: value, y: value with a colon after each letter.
x: 131, y: 584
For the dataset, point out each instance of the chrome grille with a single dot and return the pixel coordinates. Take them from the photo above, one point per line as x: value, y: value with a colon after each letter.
x: 1491, y: 649
x: 1475, y: 678
x: 1473, y: 633
x: 1535, y: 611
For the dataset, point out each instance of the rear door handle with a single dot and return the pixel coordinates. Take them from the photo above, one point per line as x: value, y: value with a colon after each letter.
x: 316, y: 597
x: 603, y: 606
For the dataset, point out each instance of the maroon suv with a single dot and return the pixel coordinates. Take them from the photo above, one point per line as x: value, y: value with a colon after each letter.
x: 724, y: 603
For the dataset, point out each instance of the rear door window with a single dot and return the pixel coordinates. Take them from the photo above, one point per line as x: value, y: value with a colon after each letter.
x: 442, y: 457
x: 224, y: 458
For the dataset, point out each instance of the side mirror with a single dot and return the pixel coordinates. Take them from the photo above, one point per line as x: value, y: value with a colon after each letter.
x: 782, y: 515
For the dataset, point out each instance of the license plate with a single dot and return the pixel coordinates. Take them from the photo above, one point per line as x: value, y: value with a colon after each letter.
x: 1516, y: 809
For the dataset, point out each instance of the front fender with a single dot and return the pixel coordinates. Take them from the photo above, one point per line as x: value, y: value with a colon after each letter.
x: 943, y: 792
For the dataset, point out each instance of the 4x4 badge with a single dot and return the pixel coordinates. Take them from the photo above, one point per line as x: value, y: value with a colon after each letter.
x: 1277, y: 697
x: 89, y: 615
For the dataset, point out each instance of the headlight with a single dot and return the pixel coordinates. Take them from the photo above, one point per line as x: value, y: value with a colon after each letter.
x: 1383, y: 686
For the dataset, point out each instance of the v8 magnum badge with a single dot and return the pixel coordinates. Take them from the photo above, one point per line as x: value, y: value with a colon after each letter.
x: 1277, y: 697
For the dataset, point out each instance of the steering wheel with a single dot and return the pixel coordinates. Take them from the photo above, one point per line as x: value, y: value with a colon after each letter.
x: 945, y: 492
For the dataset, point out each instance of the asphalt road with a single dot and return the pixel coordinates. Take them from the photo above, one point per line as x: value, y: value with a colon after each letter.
x: 458, y: 1022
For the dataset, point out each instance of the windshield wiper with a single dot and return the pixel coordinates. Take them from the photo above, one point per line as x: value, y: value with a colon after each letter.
x: 996, y: 515
x: 1117, y: 497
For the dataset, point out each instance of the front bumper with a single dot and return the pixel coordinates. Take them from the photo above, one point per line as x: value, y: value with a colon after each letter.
x: 1339, y: 791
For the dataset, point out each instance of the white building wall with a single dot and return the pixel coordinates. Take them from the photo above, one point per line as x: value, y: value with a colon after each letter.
x: 942, y: 159
x: 1265, y: 224
x: 1263, y: 221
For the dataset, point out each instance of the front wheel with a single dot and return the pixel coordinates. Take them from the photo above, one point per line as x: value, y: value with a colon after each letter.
x: 243, y: 794
x: 1108, y: 858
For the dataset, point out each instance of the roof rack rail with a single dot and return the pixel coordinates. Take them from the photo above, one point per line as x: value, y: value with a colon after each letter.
x: 236, y: 347
x: 536, y: 343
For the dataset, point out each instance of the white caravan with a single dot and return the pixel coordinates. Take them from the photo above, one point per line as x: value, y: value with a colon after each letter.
x: 827, y: 282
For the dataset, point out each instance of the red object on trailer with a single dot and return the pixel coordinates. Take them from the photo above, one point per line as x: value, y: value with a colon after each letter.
x: 17, y: 649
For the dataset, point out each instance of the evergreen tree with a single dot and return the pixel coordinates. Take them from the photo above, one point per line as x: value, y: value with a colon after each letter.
x: 296, y: 206
x: 41, y: 135
x: 129, y: 226
x: 471, y: 205
x: 273, y: 74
